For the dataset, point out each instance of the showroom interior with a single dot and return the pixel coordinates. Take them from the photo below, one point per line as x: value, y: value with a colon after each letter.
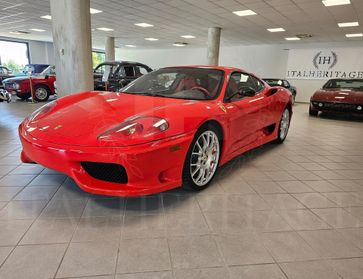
x: 98, y: 180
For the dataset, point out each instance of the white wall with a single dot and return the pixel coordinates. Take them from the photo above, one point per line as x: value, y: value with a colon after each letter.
x: 41, y: 52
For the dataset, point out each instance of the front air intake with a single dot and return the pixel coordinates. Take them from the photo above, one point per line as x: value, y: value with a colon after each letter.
x: 106, y: 171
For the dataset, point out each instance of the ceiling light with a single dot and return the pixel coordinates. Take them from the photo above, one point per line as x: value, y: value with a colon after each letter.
x: 180, y: 44
x: 47, y: 17
x: 188, y: 36
x: 37, y: 30
x: 105, y: 29
x: 130, y: 46
x: 354, y: 35
x: 151, y: 39
x: 348, y: 24
x: 292, y: 39
x: 94, y: 11
x: 15, y: 32
x: 244, y: 13
x: 144, y: 24
x: 276, y: 30
x: 328, y: 3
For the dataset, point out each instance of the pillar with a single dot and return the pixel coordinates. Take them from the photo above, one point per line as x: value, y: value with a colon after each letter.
x: 110, y: 49
x: 214, y: 38
x: 71, y: 25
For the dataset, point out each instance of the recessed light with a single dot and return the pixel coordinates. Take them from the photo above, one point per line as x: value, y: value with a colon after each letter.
x: 244, y: 13
x: 188, y: 36
x: 356, y: 35
x: 15, y: 32
x: 180, y: 44
x: 276, y: 30
x: 292, y: 39
x: 328, y: 3
x: 144, y: 24
x: 47, y: 17
x: 37, y: 30
x: 151, y: 39
x: 94, y: 11
x: 104, y: 29
x: 130, y: 46
x: 348, y: 24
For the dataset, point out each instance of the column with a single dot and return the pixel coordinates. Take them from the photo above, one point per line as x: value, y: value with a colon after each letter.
x: 71, y: 24
x: 110, y: 49
x: 214, y: 38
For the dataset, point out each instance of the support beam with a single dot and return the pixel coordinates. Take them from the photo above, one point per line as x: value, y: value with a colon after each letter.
x: 71, y: 24
x: 214, y: 38
x: 110, y: 49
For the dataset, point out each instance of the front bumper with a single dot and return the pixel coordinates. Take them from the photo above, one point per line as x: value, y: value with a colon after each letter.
x: 151, y: 168
x: 336, y: 107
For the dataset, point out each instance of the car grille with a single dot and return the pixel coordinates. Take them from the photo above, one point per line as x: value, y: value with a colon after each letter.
x: 106, y: 171
x: 337, y: 106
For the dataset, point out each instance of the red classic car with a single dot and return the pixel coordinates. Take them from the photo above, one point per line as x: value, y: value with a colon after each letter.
x: 338, y: 95
x: 43, y: 85
x: 168, y: 128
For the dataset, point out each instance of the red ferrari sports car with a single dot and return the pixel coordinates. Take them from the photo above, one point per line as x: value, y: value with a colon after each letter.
x: 172, y: 127
x: 338, y: 95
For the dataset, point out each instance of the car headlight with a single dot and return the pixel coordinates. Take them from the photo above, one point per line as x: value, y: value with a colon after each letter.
x: 41, y: 112
x: 141, y: 127
x: 16, y: 86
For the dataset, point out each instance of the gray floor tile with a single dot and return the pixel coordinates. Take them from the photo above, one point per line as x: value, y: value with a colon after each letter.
x: 243, y: 249
x: 186, y: 224
x: 8, y: 193
x: 143, y: 255
x: 4, y: 253
x: 17, y: 180
x: 330, y: 244
x: 338, y: 218
x: 147, y: 275
x: 144, y: 205
x: 36, y: 193
x: 295, y: 186
x: 266, y: 187
x: 36, y: 262
x: 303, y: 219
x: 354, y: 235
x: 348, y: 268
x: 98, y: 229
x: 194, y: 252
x: 270, y: 271
x: 28, y: 169
x: 288, y: 247
x: 11, y: 231
x: 309, y: 270
x: 314, y: 200
x: 98, y: 207
x: 44, y: 231
x: 48, y: 180
x: 64, y: 209
x: 22, y: 210
x: 205, y: 273
x: 282, y: 201
x: 89, y: 259
x: 144, y: 226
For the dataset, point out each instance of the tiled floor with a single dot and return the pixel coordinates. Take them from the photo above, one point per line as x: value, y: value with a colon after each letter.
x: 281, y: 211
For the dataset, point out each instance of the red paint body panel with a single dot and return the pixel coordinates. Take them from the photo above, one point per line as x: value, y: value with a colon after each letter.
x: 68, y: 134
x: 347, y: 96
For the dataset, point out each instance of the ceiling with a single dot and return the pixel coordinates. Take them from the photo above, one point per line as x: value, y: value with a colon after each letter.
x: 173, y: 18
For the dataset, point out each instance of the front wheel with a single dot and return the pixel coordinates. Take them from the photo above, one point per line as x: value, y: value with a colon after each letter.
x: 313, y: 112
x: 41, y: 93
x: 283, y: 126
x: 202, y: 159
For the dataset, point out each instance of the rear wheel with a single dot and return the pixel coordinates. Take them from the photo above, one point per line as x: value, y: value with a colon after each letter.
x: 283, y: 126
x: 41, y: 93
x: 202, y: 159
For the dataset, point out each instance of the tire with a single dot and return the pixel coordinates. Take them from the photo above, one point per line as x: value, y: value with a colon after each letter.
x: 41, y: 93
x: 208, y: 160
x: 313, y: 112
x: 284, y: 126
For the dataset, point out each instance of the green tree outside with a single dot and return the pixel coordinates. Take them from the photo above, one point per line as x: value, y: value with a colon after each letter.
x: 15, y: 68
x: 97, y: 58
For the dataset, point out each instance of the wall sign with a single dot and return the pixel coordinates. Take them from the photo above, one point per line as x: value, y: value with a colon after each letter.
x: 325, y: 63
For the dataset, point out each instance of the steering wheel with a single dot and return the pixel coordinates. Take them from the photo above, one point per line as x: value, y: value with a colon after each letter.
x: 201, y: 89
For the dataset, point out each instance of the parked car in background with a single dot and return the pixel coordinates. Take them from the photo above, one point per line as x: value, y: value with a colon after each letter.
x: 338, y: 95
x: 118, y: 74
x: 4, y: 74
x: 169, y: 128
x: 43, y: 85
x: 283, y: 83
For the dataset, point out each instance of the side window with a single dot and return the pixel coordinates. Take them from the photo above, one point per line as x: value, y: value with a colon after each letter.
x: 286, y: 84
x: 236, y: 81
x: 100, y: 69
x: 256, y: 84
x: 140, y: 71
x: 2, y: 71
x: 129, y: 71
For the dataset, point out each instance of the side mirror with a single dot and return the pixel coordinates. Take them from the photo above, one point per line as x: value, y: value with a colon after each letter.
x: 46, y: 76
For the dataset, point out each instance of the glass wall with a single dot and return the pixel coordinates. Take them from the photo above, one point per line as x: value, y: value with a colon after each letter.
x: 98, y: 57
x: 14, y: 55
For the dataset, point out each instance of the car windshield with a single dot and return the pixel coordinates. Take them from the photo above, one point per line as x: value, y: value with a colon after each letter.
x: 353, y: 84
x: 274, y: 82
x: 109, y: 69
x: 48, y: 71
x: 179, y: 83
x: 34, y: 69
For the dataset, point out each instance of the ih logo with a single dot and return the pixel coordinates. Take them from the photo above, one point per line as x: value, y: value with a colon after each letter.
x: 325, y: 60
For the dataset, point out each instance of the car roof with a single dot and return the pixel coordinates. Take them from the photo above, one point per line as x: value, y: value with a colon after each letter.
x: 223, y: 68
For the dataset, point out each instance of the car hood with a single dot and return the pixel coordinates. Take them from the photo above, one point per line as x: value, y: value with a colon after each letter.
x: 339, y: 96
x: 20, y: 78
x: 79, y: 119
